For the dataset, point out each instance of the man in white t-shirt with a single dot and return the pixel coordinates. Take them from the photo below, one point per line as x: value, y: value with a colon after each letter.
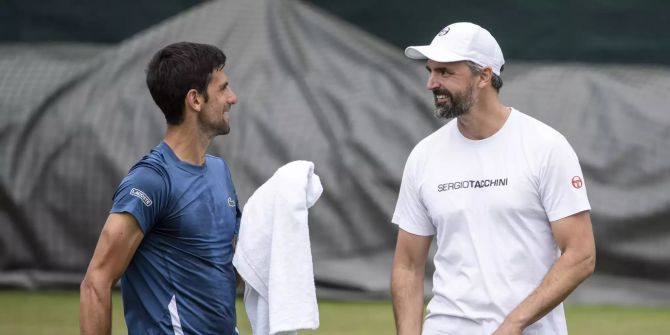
x: 503, y: 194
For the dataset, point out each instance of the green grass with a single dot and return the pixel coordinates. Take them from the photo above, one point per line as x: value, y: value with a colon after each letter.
x: 38, y: 313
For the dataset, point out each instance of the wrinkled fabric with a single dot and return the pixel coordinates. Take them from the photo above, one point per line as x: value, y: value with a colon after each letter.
x: 74, y: 118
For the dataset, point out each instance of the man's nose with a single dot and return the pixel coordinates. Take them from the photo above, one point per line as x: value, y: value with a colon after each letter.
x: 232, y: 99
x: 431, y: 84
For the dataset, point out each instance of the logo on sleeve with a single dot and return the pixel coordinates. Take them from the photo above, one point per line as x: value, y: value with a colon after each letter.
x: 231, y: 202
x: 577, y: 182
x: 145, y: 199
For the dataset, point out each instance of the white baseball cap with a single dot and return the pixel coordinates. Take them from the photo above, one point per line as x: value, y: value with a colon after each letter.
x: 461, y: 41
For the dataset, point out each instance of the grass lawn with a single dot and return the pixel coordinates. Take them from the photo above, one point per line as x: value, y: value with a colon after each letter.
x: 37, y: 313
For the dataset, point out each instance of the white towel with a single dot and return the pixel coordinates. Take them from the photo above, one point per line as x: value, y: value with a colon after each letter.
x: 273, y: 253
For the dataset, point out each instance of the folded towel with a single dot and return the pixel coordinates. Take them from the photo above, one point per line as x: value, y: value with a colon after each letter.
x: 273, y: 253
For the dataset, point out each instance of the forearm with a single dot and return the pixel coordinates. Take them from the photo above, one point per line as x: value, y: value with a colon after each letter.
x: 563, y: 277
x: 95, y: 308
x: 407, y: 295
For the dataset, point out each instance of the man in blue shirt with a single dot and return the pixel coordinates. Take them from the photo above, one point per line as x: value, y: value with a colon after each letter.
x: 170, y: 234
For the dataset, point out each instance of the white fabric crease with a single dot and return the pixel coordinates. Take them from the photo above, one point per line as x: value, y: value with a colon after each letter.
x: 273, y: 253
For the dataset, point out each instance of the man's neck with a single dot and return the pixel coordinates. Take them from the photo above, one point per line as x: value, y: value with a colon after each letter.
x: 482, y: 121
x: 189, y: 144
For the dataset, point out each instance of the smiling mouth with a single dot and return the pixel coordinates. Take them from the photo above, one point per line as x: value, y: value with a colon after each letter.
x: 441, y: 99
x: 441, y: 94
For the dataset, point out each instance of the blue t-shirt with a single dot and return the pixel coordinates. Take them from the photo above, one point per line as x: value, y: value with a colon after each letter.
x: 181, y: 278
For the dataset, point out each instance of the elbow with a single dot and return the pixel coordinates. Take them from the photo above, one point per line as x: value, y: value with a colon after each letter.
x: 94, y: 285
x: 592, y: 263
x: 588, y: 264
x: 86, y: 286
x: 582, y: 263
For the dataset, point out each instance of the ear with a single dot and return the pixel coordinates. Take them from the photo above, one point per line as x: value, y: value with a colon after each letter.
x: 485, y: 77
x: 193, y: 100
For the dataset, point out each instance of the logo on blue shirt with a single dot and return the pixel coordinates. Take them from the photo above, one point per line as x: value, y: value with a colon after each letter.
x: 145, y: 199
x: 231, y: 202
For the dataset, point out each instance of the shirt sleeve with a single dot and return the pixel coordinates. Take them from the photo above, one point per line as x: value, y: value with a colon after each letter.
x: 410, y: 213
x: 142, y: 193
x: 562, y: 185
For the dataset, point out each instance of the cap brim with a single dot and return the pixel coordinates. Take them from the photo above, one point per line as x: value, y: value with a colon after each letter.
x: 432, y: 53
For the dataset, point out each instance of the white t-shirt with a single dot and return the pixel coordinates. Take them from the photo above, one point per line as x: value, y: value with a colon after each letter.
x: 490, y: 203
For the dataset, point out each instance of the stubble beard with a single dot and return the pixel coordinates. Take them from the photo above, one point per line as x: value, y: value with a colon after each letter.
x: 224, y: 127
x: 215, y: 127
x: 457, y: 105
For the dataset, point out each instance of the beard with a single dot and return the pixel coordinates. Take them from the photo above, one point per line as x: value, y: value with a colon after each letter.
x: 214, y: 125
x: 458, y: 104
x: 223, y: 130
x: 223, y: 127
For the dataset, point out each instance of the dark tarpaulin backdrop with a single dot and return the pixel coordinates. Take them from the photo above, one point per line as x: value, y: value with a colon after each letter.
x: 569, y: 30
x: 74, y: 118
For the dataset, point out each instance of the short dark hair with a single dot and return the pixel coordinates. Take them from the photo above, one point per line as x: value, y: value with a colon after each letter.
x: 178, y: 68
x: 496, y: 80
